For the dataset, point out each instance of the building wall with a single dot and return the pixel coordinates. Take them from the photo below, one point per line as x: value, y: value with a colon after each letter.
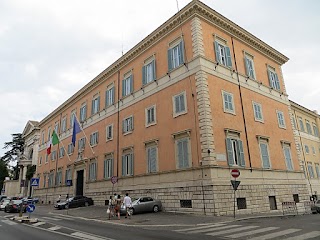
x: 206, y: 182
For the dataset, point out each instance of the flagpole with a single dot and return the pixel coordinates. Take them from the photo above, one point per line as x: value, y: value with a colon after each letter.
x: 84, y: 134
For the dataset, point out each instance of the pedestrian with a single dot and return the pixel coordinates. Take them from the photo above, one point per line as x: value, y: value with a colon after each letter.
x: 59, y: 199
x: 110, y: 209
x: 128, y: 204
x: 67, y: 197
x: 118, y: 206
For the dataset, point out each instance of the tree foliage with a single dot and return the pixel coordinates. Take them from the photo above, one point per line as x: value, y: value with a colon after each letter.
x: 31, y: 169
x: 15, y: 147
x: 3, y: 172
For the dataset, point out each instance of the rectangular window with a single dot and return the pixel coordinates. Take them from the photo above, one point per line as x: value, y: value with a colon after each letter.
x: 317, y: 170
x: 81, y: 143
x: 92, y: 171
x: 51, y: 179
x: 179, y: 104
x: 68, y: 175
x: 310, y: 170
x: 222, y: 52
x: 273, y: 78
x: 40, y: 160
x: 248, y: 59
x: 59, y: 177
x: 308, y: 127
x: 186, y: 203
x: 94, y: 138
x: 70, y: 148
x: 44, y: 180
x: 176, y: 55
x: 127, y: 164
x: 127, y: 85
x: 241, y: 203
x: 64, y: 124
x: 110, y: 96
x: 264, y: 151
x: 47, y: 158
x: 306, y: 147
x: 313, y: 150
x: 109, y: 132
x: 281, y: 121
x: 315, y: 130
x: 42, y: 137
x: 235, y: 154
x: 53, y: 155
x: 149, y: 72
x: 61, y: 152
x: 152, y: 158
x: 108, y: 167
x: 301, y: 125
x: 150, y: 115
x: 257, y: 112
x: 296, y: 198
x: 287, y: 155
x: 56, y: 128
x: 95, y: 105
x: 273, y: 203
x: 72, y: 117
x: 182, y: 151
x: 228, y: 104
x: 83, y: 113
x: 49, y: 134
x: 127, y: 125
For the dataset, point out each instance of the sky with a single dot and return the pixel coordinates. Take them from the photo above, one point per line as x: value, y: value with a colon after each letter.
x: 51, y: 49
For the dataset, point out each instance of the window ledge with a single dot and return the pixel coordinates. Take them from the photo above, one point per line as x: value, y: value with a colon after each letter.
x: 179, y: 114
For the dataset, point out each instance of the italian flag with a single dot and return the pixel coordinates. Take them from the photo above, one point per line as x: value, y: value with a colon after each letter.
x: 53, y: 141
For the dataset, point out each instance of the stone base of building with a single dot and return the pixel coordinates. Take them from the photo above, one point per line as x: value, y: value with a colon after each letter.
x: 205, y: 190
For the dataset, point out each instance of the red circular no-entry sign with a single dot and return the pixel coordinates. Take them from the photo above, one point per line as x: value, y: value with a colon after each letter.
x: 235, y: 173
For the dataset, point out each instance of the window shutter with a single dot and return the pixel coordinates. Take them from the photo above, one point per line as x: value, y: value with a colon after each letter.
x: 288, y: 158
x: 144, y: 79
x: 264, y: 155
x: 216, y: 47
x: 111, y: 168
x: 228, y: 55
x: 107, y: 98
x: 277, y: 81
x: 185, y: 153
x: 131, y: 164
x: 229, y: 151
x: 112, y: 97
x: 177, y: 105
x: 92, y: 107
x: 97, y: 137
x: 180, y: 154
x: 123, y: 165
x: 98, y: 102
x: 123, y: 88
x: 270, y: 78
x: 241, y: 154
x: 170, y: 59
x: 246, y: 61
x: 154, y: 70
x: 131, y: 84
x: 132, y: 123
x: 182, y: 104
x: 181, y: 52
x: 85, y: 112
x: 123, y: 125
x: 153, y: 158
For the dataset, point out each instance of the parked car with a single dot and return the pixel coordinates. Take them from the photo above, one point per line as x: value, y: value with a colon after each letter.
x: 4, y: 202
x: 143, y: 204
x: 15, y: 206
x: 316, y: 207
x: 2, y: 197
x: 77, y: 201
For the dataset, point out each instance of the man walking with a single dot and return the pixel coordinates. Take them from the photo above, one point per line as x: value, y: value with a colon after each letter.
x: 127, y: 203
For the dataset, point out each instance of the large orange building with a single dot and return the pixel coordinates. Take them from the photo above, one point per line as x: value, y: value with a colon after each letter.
x: 197, y: 97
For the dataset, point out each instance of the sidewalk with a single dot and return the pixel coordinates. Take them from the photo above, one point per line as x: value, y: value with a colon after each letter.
x: 98, y: 213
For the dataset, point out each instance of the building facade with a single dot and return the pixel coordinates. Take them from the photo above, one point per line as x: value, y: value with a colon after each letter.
x: 306, y: 132
x: 197, y: 97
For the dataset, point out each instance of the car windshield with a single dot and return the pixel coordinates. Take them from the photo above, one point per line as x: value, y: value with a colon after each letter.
x: 16, y: 201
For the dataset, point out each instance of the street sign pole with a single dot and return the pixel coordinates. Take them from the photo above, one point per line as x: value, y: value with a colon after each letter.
x: 234, y: 201
x: 235, y: 173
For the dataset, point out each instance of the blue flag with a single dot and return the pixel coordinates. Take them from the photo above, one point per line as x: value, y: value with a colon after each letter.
x: 76, y: 129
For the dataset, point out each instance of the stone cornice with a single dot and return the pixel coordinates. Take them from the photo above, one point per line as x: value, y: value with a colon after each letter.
x: 193, y: 9
x: 303, y: 109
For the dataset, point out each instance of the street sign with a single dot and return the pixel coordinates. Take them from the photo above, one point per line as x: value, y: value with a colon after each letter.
x: 114, y: 179
x: 31, y: 208
x: 69, y: 182
x: 235, y: 173
x: 235, y: 184
x: 35, y: 182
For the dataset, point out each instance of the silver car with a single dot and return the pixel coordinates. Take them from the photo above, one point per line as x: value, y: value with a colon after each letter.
x: 4, y: 203
x: 143, y: 204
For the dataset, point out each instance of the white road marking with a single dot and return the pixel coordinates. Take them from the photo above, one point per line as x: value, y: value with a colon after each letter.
x: 305, y: 236
x: 50, y: 218
x: 214, y: 229
x: 276, y: 234
x: 9, y: 222
x: 231, y: 230
x: 38, y: 224
x: 243, y: 234
x: 196, y: 228
x: 54, y: 228
x: 86, y: 236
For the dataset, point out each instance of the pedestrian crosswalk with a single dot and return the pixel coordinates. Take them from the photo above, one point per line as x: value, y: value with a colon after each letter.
x: 252, y: 232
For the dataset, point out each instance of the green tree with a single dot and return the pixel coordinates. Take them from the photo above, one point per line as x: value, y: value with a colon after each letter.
x: 16, y: 146
x: 3, y: 172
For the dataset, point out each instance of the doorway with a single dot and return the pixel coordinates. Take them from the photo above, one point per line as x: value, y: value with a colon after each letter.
x: 79, y: 188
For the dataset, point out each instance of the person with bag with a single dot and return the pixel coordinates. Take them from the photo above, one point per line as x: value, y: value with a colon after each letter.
x: 110, y: 210
x: 128, y: 204
x: 118, y: 206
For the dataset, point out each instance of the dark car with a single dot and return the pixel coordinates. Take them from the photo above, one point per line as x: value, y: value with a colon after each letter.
x: 316, y: 207
x: 2, y: 197
x: 143, y: 204
x: 15, y: 206
x: 77, y: 201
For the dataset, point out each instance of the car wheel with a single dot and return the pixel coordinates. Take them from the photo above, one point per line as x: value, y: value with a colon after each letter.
x: 131, y: 211
x: 5, y: 210
x: 155, y: 208
x: 86, y: 204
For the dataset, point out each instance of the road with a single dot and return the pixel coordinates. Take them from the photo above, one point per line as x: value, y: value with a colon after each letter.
x: 53, y: 225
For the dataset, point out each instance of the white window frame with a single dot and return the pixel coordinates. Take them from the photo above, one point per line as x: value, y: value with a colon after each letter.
x: 127, y: 163
x: 265, y: 158
x: 127, y: 84
x: 315, y: 130
x: 53, y: 155
x: 95, y: 104
x: 72, y: 117
x: 281, y: 121
x: 64, y: 124
x: 42, y: 137
x: 152, y: 163
x: 148, y: 113
x: 175, y: 54
x: 59, y: 177
x: 307, y: 150
x: 108, y: 167
x: 149, y: 71
x: 308, y: 126
x: 81, y: 143
x: 70, y: 149
x: 288, y: 158
x: 313, y: 150
x: 317, y: 169
x: 222, y: 52
x: 61, y: 152
x: 301, y: 125
x: 127, y: 125
x: 94, y: 138
x: 110, y: 95
x: 56, y: 128
x: 49, y: 134
x: 47, y: 159
x: 234, y: 149
x: 228, y: 102
x: 109, y: 132
x: 93, y: 170
x: 273, y: 78
x: 182, y: 96
x: 68, y: 175
x: 258, y: 115
x: 249, y: 64
x: 310, y: 170
x: 83, y: 112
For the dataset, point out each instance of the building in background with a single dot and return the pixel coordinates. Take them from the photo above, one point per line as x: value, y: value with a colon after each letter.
x: 306, y: 132
x: 197, y: 97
